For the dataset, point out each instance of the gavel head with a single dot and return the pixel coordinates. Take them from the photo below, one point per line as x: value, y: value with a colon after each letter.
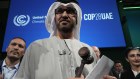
x: 84, y: 53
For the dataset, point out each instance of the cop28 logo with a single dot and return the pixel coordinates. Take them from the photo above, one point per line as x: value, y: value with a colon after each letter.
x: 21, y: 20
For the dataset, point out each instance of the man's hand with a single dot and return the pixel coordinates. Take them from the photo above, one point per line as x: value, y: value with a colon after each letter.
x: 108, y: 77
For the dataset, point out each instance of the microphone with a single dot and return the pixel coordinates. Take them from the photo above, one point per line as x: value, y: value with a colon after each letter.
x: 84, y: 53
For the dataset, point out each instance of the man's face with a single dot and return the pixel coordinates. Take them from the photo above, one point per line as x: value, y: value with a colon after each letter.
x: 16, y: 48
x: 118, y: 67
x: 65, y: 18
x: 134, y: 57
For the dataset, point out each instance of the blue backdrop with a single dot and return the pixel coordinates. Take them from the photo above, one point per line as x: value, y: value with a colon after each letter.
x: 100, y: 22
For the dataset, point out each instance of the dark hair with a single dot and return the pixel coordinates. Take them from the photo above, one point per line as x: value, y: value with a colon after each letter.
x: 129, y: 49
x: 117, y: 61
x: 19, y: 38
x: 67, y: 1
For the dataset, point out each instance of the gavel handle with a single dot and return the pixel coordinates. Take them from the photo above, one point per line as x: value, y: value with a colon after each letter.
x: 78, y: 71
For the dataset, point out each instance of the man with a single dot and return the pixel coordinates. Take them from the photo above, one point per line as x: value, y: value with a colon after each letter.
x: 15, y: 51
x: 132, y: 56
x: 57, y: 57
x: 117, y: 69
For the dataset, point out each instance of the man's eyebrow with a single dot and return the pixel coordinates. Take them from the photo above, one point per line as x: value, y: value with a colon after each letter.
x: 61, y: 6
x: 70, y: 6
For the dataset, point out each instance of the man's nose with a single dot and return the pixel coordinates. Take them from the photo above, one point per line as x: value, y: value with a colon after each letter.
x: 16, y: 47
x: 65, y: 14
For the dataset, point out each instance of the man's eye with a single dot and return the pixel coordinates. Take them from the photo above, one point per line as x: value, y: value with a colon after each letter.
x: 21, y: 46
x: 71, y: 10
x: 132, y: 55
x: 138, y: 55
x: 58, y: 11
x: 14, y: 44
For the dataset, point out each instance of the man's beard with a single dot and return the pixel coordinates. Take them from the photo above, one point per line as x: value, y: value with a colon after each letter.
x: 14, y: 57
x: 66, y: 29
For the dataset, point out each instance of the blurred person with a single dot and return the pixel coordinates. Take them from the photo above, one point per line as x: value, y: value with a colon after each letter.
x: 117, y: 69
x: 97, y: 51
x: 132, y: 56
x: 57, y: 57
x: 10, y: 64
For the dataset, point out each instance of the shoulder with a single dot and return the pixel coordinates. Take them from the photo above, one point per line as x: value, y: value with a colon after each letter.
x: 37, y: 45
x: 41, y: 45
x: 40, y: 41
x: 82, y: 43
x: 1, y: 62
x: 127, y: 74
x: 44, y: 41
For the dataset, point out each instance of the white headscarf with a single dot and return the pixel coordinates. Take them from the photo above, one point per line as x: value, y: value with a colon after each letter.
x: 50, y: 21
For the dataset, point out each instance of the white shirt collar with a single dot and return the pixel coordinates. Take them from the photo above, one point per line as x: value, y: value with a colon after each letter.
x: 135, y: 72
x: 4, y: 65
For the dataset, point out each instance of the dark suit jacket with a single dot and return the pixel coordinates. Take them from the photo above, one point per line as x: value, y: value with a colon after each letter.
x: 128, y: 74
x: 1, y: 66
x: 114, y: 73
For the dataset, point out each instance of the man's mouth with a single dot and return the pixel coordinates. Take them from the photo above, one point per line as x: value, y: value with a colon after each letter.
x: 64, y: 22
x: 137, y: 61
x: 14, y: 52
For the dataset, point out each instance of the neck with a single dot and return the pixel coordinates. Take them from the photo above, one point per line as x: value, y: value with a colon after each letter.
x: 136, y: 68
x: 11, y: 62
x: 65, y: 35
